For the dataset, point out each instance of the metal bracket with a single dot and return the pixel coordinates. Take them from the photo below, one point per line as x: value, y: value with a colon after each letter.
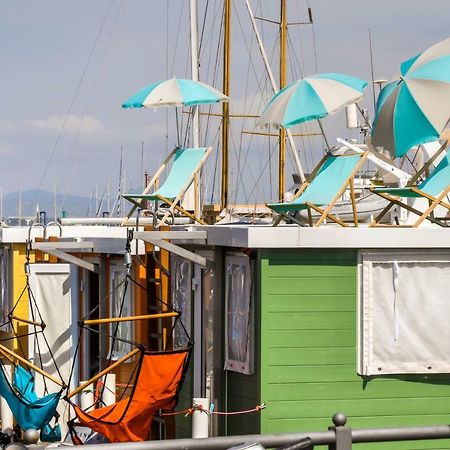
x: 156, y: 238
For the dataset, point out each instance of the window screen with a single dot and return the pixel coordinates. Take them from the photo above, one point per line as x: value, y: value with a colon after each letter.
x: 181, y: 285
x: 404, y: 312
x: 238, y: 290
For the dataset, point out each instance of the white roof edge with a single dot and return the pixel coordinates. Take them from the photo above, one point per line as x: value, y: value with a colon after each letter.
x: 20, y: 234
x: 327, y: 237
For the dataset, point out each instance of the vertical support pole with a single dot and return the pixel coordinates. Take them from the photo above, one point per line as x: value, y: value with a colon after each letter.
x: 282, y: 134
x: 6, y: 413
x: 225, y: 107
x: 200, y: 418
x: 109, y: 389
x: 343, y: 433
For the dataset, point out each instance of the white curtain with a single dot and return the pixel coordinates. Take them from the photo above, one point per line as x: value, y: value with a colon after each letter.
x: 52, y: 290
x: 405, y: 313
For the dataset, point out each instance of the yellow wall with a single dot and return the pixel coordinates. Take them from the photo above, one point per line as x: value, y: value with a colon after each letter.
x: 18, y: 284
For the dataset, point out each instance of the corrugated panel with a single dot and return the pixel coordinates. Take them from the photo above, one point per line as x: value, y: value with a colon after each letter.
x: 308, y: 354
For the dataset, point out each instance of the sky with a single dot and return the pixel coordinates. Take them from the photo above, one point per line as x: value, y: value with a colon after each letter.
x: 68, y: 66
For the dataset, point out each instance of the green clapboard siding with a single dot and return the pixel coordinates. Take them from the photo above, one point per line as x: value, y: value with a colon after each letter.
x: 308, y: 354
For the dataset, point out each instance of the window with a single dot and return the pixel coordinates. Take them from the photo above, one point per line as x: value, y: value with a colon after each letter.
x: 404, y: 311
x: 238, y: 292
x: 120, y: 306
x: 180, y: 281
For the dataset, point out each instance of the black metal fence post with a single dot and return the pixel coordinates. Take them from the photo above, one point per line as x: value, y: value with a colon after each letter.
x: 343, y: 433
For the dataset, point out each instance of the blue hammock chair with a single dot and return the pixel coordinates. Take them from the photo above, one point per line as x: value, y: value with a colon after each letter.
x: 29, y: 410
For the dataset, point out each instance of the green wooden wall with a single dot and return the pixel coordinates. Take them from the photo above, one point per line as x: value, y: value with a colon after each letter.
x: 308, y: 354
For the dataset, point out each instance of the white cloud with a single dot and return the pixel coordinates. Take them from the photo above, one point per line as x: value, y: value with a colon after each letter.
x: 72, y: 124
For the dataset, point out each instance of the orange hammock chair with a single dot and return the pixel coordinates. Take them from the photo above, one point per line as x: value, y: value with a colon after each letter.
x: 156, y: 387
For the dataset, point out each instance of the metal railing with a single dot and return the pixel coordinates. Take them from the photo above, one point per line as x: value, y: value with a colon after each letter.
x: 338, y: 437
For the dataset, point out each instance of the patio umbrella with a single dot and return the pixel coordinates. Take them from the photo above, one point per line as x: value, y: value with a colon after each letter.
x: 175, y: 92
x: 416, y: 108
x: 311, y: 98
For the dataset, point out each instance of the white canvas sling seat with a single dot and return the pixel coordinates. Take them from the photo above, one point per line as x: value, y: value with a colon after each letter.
x: 324, y: 186
x: 187, y: 162
x: 434, y: 188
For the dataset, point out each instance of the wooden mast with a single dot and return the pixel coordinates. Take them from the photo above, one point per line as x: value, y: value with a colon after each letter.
x: 282, y: 134
x: 225, y: 110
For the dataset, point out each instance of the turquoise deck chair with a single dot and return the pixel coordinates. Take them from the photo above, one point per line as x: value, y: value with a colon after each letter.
x: 324, y: 186
x: 434, y: 188
x: 29, y: 410
x: 187, y: 162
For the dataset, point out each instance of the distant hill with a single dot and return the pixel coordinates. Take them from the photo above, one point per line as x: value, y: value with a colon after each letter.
x: 74, y: 206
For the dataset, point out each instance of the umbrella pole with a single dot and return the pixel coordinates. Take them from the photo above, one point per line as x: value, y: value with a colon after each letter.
x: 323, y: 134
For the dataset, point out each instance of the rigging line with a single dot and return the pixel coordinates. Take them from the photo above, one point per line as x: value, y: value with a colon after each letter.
x: 116, y: 328
x: 313, y: 28
x: 214, y: 78
x: 210, y: 172
x: 266, y: 164
x: 52, y: 356
x: 178, y: 35
x: 239, y: 153
x: 202, y: 32
x: 101, y: 202
x: 257, y: 180
x: 214, y: 72
x: 250, y: 65
x: 75, y: 166
x: 212, y: 33
x: 77, y: 90
x: 102, y: 301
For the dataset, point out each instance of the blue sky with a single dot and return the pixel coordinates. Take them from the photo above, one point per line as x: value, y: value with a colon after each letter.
x: 64, y: 77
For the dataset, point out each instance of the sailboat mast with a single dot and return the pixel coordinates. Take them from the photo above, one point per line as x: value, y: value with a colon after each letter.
x: 225, y: 110
x: 282, y: 134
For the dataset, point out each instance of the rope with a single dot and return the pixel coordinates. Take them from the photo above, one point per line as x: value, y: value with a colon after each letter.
x: 71, y: 105
x: 189, y: 411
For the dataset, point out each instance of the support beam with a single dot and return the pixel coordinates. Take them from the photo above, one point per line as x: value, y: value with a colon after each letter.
x: 130, y: 318
x: 175, y: 249
x: 72, y: 259
x: 44, y: 246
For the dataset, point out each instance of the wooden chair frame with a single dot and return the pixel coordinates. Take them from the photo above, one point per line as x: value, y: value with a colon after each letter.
x: 173, y: 203
x: 326, y: 212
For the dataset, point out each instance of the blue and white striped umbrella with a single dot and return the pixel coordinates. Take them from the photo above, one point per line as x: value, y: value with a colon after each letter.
x: 175, y: 92
x: 312, y: 98
x: 415, y: 109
